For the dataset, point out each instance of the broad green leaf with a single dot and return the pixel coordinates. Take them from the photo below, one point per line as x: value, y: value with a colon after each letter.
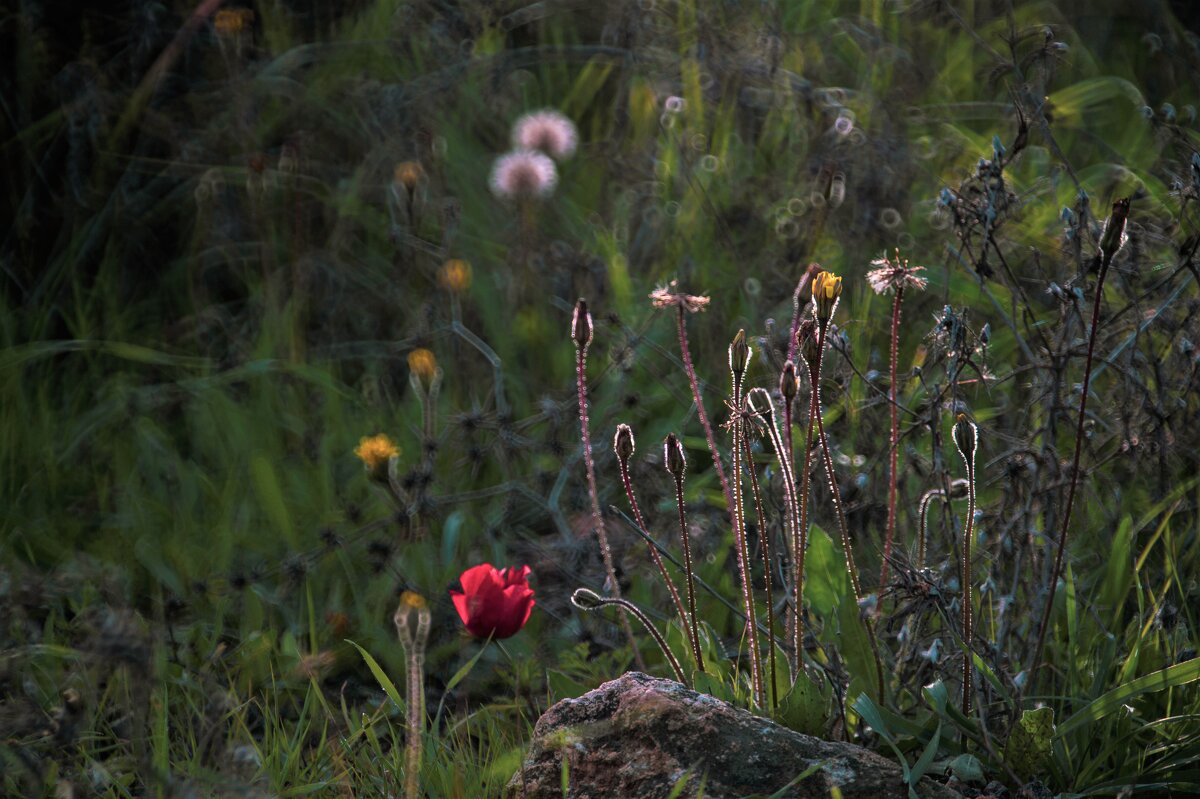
x: 1029, y: 743
x: 805, y: 708
x: 1118, y: 572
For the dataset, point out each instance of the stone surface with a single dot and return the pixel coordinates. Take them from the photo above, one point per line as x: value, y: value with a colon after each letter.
x: 637, y: 736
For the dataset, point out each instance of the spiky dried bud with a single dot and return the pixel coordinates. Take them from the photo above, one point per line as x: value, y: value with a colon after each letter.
x: 826, y: 289
x: 673, y: 455
x: 965, y: 436
x: 623, y: 443
x: 587, y: 599
x: 1114, y: 229
x: 739, y: 353
x: 788, y: 382
x: 581, y: 325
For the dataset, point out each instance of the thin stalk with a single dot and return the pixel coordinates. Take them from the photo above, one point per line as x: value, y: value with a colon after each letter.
x: 767, y: 414
x: 597, y: 519
x: 800, y: 534
x: 893, y: 441
x: 654, y: 556
x: 739, y: 535
x: 686, y: 355
x: 843, y: 527
x: 764, y: 538
x: 1110, y: 244
x: 685, y: 538
x: 968, y: 611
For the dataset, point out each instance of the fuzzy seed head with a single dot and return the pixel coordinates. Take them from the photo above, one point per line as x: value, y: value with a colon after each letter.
x: 546, y: 131
x: 523, y: 174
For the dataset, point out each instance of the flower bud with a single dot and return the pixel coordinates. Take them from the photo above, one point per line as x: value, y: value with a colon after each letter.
x: 581, y: 325
x: 423, y: 369
x: 673, y: 456
x: 965, y: 436
x: 1114, y: 229
x: 806, y: 340
x: 826, y: 289
x: 587, y: 599
x: 959, y: 488
x: 623, y: 443
x: 407, y: 175
x: 759, y: 401
x: 739, y: 353
x: 788, y: 382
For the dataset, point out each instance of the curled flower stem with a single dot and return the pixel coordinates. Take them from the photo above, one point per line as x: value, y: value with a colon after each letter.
x: 597, y: 519
x: 922, y: 515
x: 686, y: 355
x: 654, y: 556
x: 589, y: 600
x: 685, y: 537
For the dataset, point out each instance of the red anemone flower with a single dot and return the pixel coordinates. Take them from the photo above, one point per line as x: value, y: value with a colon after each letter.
x: 494, y: 602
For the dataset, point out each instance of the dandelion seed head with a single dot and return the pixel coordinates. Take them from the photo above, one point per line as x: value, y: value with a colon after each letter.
x: 523, y: 174
x: 547, y: 131
x: 894, y: 273
x: 669, y: 295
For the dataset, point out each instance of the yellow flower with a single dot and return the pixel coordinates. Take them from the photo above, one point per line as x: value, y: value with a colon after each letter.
x: 455, y: 275
x: 375, y: 452
x: 422, y: 364
x: 229, y: 22
x: 827, y: 288
x: 408, y: 174
x: 411, y: 599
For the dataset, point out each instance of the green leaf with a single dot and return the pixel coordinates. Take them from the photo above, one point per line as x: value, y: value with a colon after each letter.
x: 1118, y: 574
x: 381, y: 677
x: 829, y: 592
x: 1170, y: 677
x: 968, y: 769
x: 462, y: 673
x: 804, y: 708
x: 1029, y: 743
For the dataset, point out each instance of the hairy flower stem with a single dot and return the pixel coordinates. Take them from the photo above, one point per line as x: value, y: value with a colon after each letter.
x: 843, y: 527
x: 783, y: 458
x: 800, y: 534
x: 968, y: 613
x: 597, y: 519
x: 685, y: 538
x: 764, y: 538
x: 893, y: 442
x: 685, y: 354
x: 588, y: 600
x: 413, y: 639
x: 654, y: 556
x: 739, y: 534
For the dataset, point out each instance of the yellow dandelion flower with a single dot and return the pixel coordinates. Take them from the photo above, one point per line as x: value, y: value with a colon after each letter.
x: 826, y: 289
x: 375, y: 452
x: 423, y: 364
x: 408, y: 174
x: 455, y: 275
x: 232, y: 21
x: 411, y: 599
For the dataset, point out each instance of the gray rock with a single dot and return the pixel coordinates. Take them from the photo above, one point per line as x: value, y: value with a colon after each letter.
x: 637, y: 736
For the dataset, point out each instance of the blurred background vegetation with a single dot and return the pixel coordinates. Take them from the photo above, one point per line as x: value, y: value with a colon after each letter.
x: 213, y: 274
